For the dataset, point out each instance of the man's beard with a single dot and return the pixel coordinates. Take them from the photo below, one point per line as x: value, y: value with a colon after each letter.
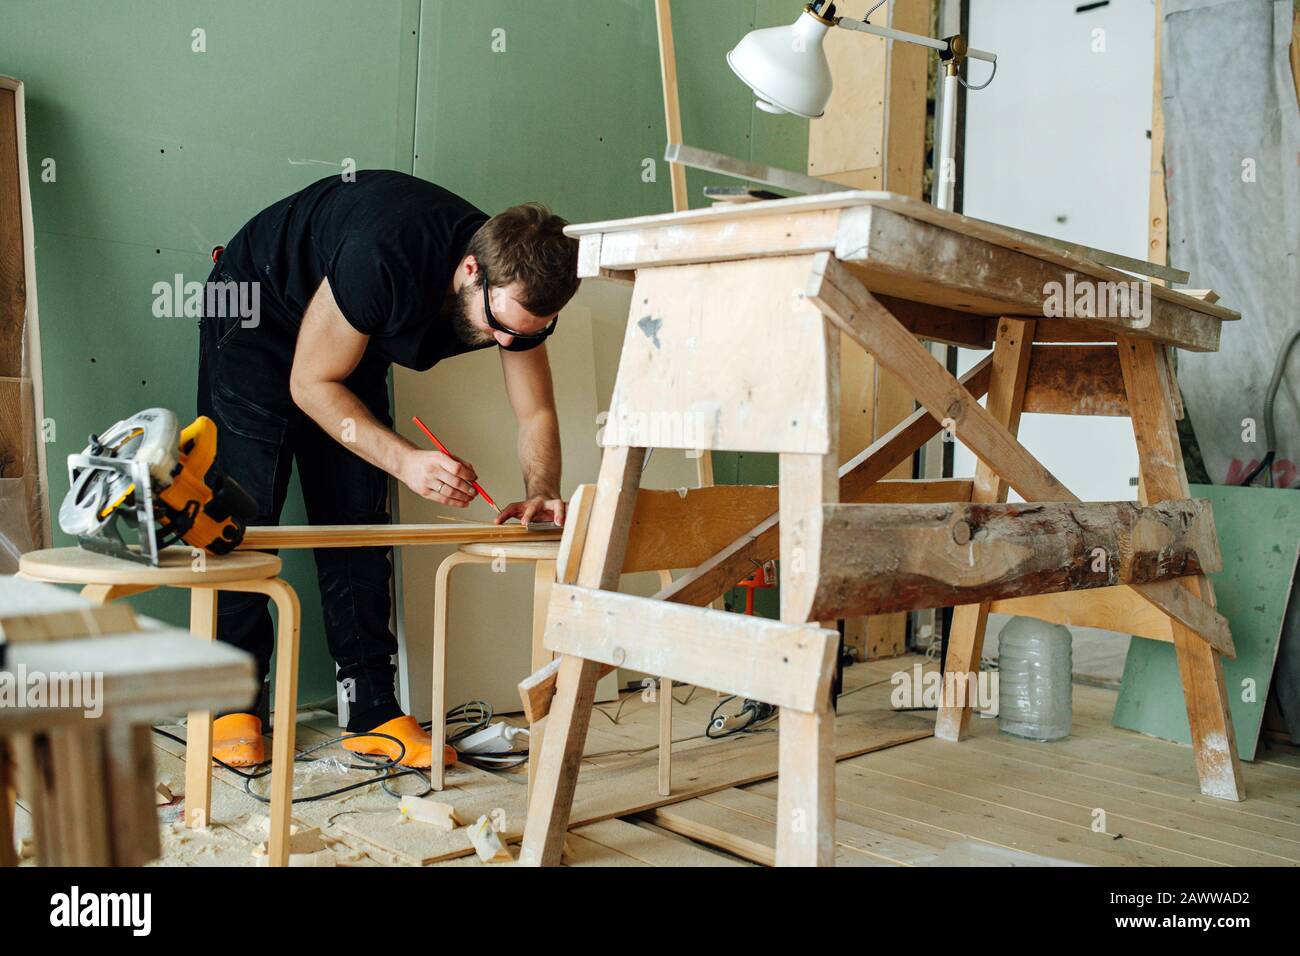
x: 465, y: 329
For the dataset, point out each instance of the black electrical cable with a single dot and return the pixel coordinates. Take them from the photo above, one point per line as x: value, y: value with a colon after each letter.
x: 390, y: 769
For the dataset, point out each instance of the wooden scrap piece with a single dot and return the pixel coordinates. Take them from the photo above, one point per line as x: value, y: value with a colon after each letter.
x: 487, y: 844
x: 433, y: 812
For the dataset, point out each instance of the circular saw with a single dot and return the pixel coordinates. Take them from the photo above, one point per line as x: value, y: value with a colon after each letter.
x: 148, y: 475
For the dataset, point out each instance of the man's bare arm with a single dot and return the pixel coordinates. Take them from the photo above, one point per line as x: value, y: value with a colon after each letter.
x: 327, y: 352
x: 532, y: 396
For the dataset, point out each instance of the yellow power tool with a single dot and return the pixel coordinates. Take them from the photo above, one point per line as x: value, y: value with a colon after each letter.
x: 146, y: 473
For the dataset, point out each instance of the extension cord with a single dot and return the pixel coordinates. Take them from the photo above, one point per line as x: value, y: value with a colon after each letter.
x: 499, y: 738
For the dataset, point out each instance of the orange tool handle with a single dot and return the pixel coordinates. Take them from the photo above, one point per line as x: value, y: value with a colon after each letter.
x: 443, y: 448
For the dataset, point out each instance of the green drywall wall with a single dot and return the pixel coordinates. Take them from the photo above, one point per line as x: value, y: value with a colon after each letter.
x: 162, y: 152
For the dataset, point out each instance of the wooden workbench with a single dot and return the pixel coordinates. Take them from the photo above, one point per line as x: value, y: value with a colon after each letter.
x: 732, y: 343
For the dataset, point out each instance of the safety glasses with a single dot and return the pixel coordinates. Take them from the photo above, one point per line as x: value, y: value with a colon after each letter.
x: 526, y: 336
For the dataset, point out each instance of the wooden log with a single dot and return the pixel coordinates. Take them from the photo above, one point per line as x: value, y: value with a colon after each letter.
x: 789, y: 665
x: 939, y: 555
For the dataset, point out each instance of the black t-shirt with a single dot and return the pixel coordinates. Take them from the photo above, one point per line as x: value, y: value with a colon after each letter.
x: 389, y: 244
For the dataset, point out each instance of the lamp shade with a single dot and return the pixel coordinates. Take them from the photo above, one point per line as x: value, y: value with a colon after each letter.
x: 786, y: 67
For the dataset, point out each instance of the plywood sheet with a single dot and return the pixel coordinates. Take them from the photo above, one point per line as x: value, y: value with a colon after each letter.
x: 1259, y: 536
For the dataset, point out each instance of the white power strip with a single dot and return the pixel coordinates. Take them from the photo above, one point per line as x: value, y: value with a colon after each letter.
x: 499, y: 738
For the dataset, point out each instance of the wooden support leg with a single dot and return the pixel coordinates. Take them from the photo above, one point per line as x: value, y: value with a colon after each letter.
x: 1011, y: 352
x: 543, y: 581
x: 665, y: 698
x: 286, y: 719
x: 805, y: 833
x: 441, y: 611
x: 198, y: 723
x: 8, y: 803
x: 78, y: 760
x: 561, y: 753
x: 132, y: 797
x: 1199, y: 665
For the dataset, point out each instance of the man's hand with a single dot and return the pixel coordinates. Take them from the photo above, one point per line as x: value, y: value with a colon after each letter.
x: 438, y: 477
x: 538, y: 508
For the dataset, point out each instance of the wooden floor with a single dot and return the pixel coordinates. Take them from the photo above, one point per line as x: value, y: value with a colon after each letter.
x: 1103, y: 796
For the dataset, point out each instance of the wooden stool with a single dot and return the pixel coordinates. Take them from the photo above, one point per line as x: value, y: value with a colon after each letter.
x: 104, y: 579
x: 543, y: 555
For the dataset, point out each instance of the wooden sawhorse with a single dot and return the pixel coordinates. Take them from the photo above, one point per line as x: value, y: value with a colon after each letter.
x: 733, y: 344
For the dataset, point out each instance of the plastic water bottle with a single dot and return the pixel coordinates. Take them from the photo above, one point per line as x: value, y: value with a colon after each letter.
x: 1035, y: 666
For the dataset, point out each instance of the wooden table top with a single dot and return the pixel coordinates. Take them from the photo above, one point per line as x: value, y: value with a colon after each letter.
x: 906, y: 250
x: 178, y: 567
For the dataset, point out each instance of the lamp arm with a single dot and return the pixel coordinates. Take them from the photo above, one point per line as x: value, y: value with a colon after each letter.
x: 942, y: 46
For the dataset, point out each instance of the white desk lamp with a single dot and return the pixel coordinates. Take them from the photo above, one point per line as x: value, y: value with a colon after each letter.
x: 787, y: 69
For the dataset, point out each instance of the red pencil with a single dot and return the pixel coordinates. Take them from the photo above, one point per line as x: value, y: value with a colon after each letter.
x: 443, y: 448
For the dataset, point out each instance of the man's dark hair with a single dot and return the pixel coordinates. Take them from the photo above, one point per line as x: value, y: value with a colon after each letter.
x: 527, y: 244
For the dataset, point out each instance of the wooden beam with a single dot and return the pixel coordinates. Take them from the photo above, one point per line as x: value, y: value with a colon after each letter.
x: 783, y: 664
x: 1112, y: 609
x: 937, y: 324
x: 941, y: 555
x: 847, y: 302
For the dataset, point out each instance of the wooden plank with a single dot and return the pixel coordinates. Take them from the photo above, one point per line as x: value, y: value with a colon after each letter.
x: 672, y: 108
x: 850, y: 305
x: 388, y: 535
x: 1075, y: 380
x: 1118, y: 609
x: 61, y: 625
x: 782, y: 664
x: 672, y: 391
x: 22, y: 450
x: 679, y: 528
x: 941, y: 555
